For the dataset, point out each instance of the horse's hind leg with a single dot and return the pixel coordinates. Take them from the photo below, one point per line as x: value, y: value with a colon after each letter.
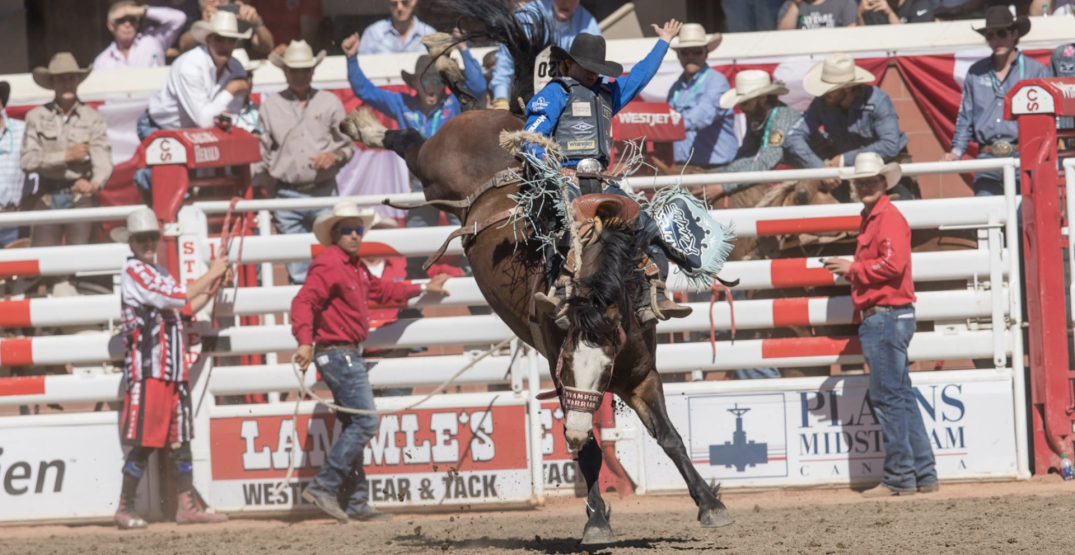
x: 597, y: 530
x: 648, y: 401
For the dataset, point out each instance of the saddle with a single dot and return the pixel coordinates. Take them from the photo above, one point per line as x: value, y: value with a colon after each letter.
x: 604, y: 206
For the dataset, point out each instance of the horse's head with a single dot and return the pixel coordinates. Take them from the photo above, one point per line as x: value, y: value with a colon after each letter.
x: 600, y: 313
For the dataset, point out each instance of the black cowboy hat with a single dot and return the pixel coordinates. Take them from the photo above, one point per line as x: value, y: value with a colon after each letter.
x: 999, y: 17
x: 589, y: 52
x: 421, y: 67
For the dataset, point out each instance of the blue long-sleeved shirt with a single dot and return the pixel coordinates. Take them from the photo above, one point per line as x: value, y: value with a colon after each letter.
x: 544, y: 109
x: 404, y: 108
x: 870, y: 125
x: 563, y: 34
x: 981, y: 112
x: 710, y: 130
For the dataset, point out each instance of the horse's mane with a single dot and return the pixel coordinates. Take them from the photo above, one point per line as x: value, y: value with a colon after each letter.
x: 615, y: 282
x: 524, y: 37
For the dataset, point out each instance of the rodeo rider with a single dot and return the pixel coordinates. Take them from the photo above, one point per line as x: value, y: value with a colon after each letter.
x: 330, y: 320
x: 882, y: 290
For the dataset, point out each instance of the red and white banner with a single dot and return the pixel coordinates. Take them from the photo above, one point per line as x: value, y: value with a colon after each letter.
x: 458, y: 455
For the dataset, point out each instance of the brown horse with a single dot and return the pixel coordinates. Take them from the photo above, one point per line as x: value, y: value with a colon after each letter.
x: 606, y: 349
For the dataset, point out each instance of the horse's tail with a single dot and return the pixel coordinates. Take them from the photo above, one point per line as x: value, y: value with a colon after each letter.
x: 525, y: 35
x: 364, y: 127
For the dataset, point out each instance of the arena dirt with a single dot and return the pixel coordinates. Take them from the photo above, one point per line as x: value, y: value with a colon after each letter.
x: 1034, y: 517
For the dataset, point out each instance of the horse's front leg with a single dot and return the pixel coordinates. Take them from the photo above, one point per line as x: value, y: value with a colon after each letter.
x: 648, y: 401
x: 597, y: 530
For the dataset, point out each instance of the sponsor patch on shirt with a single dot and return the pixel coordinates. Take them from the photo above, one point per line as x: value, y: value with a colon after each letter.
x: 582, y: 126
x: 581, y: 110
x: 581, y: 145
x: 540, y: 103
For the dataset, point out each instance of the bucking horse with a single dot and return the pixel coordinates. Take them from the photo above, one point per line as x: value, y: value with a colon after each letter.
x: 605, y: 349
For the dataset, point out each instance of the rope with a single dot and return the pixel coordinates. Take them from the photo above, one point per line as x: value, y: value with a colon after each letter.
x: 715, y: 292
x: 305, y: 392
x: 226, y: 233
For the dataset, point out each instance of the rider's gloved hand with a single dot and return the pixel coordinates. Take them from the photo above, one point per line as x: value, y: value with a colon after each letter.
x: 501, y: 104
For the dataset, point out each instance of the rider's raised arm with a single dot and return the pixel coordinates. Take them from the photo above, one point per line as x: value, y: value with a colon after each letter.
x: 543, y: 112
x: 626, y: 88
x: 474, y: 79
x: 388, y: 103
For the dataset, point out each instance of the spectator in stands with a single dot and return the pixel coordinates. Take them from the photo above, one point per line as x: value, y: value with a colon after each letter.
x: 1062, y: 64
x: 747, y: 16
x: 426, y: 111
x: 981, y: 112
x: 156, y: 406
x: 1052, y: 7
x: 247, y: 118
x: 291, y: 20
x: 768, y: 123
x: 250, y: 24
x: 710, y: 130
x: 14, y: 185
x: 847, y: 117
x: 66, y: 144
x: 566, y: 19
x: 817, y: 14
x: 134, y: 49
x: 895, y: 12
x: 302, y: 148
x: 401, y: 32
x: 972, y: 9
x: 882, y: 290
x: 330, y: 320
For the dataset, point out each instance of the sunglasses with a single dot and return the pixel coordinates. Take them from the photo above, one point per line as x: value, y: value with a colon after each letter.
x: 868, y: 181
x: 345, y: 231
x: 691, y: 51
x: 432, y: 82
x: 1001, y: 34
x: 400, y: 3
x: 146, y: 237
x: 132, y: 19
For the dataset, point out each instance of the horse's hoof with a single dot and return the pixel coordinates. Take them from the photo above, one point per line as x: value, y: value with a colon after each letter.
x: 715, y: 518
x: 598, y: 531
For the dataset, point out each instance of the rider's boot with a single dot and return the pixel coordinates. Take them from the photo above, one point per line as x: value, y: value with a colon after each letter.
x: 126, y: 517
x: 666, y: 307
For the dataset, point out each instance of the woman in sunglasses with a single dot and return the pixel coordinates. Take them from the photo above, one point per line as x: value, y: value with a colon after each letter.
x: 981, y: 113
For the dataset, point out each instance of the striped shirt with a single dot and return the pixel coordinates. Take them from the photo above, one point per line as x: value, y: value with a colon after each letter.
x: 12, y: 178
x: 152, y: 300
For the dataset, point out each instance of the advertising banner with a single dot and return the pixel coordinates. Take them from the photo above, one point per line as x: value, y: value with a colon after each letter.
x: 460, y: 455
x: 827, y: 432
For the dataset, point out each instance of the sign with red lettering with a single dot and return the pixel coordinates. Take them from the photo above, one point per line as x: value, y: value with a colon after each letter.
x: 440, y: 456
x: 655, y: 121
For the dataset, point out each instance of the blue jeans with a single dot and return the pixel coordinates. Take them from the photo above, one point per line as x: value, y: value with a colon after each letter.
x: 909, y: 461
x: 143, y: 177
x: 744, y: 16
x: 300, y: 221
x: 991, y: 183
x: 8, y: 235
x: 342, y: 475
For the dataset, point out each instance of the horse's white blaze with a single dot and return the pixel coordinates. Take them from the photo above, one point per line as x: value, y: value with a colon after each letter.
x: 588, y: 368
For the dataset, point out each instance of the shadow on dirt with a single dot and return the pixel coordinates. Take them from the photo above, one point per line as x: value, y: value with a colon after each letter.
x: 553, y: 545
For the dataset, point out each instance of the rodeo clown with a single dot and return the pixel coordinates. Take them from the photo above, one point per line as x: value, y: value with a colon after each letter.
x: 156, y: 406
x: 575, y: 110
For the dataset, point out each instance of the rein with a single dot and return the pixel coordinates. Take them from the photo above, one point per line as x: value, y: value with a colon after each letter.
x: 581, y: 399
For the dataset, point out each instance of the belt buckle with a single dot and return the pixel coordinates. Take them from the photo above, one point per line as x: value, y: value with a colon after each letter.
x: 1002, y: 149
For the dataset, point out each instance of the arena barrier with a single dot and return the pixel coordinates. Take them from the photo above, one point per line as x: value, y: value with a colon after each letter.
x: 506, y: 446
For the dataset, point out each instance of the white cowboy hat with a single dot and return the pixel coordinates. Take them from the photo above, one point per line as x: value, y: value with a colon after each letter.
x: 298, y: 55
x: 836, y: 72
x: 60, y: 64
x: 692, y: 35
x: 870, y: 164
x: 243, y: 58
x: 143, y: 220
x: 341, y: 211
x: 222, y: 23
x: 750, y: 83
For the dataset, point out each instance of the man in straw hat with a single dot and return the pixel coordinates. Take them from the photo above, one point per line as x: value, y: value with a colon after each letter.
x: 156, y: 406
x: 576, y: 112
x: 988, y: 81
x: 330, y: 320
x: 66, y: 144
x: 710, y: 128
x: 250, y: 22
x: 883, y: 293
x: 135, y: 47
x: 768, y: 122
x: 848, y: 116
x: 302, y: 148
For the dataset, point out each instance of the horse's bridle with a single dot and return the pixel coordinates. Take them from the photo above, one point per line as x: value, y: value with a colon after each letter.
x: 584, y: 400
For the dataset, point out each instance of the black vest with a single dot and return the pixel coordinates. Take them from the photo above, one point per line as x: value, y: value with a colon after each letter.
x: 584, y: 129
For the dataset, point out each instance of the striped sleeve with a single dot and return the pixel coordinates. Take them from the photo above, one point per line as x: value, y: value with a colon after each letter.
x: 143, y: 284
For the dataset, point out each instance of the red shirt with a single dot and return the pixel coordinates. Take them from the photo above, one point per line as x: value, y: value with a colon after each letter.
x: 283, y: 17
x: 333, y: 305
x: 881, y: 272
